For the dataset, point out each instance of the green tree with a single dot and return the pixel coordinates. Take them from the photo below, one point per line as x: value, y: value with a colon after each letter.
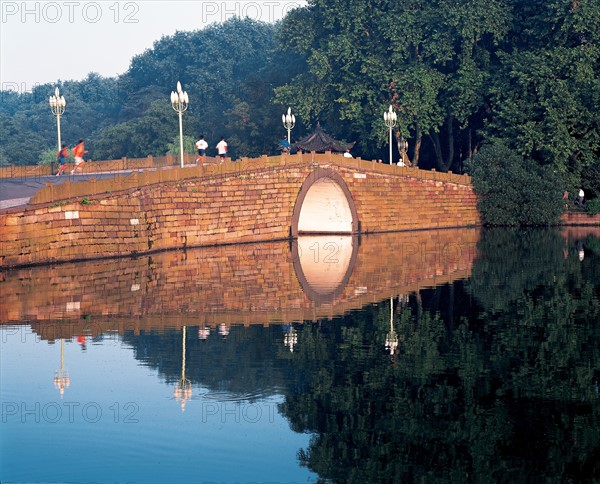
x: 431, y: 66
x: 149, y: 134
x: 547, y: 88
x: 513, y: 190
x: 189, y: 145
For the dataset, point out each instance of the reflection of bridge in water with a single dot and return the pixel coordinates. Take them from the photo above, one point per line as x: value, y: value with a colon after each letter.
x: 305, y: 280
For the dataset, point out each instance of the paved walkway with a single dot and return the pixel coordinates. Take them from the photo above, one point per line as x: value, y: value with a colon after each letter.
x: 15, y: 192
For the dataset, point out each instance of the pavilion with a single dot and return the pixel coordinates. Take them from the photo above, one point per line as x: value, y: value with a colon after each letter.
x: 319, y: 141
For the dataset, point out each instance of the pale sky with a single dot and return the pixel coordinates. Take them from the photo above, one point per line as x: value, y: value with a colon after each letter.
x: 44, y: 41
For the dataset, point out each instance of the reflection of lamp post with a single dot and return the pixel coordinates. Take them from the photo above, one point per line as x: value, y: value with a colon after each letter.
x: 391, y: 340
x: 290, y: 339
x: 289, y: 121
x: 180, y: 101
x: 183, y: 388
x: 61, y: 376
x: 57, y: 106
x: 389, y: 118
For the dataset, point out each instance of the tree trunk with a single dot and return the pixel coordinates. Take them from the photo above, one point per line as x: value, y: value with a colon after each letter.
x: 437, y: 148
x: 418, y: 142
x: 441, y: 163
x: 450, y: 128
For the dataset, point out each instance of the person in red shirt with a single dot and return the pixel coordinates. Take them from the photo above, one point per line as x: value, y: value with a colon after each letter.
x: 78, y: 153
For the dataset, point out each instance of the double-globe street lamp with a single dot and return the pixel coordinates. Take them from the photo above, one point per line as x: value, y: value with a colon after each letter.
x: 57, y: 106
x: 389, y: 118
x: 289, y: 121
x: 180, y: 101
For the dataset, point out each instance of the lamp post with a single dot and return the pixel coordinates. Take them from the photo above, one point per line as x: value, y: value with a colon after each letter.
x: 291, y: 338
x: 57, y: 106
x: 183, y: 388
x: 180, y: 101
x: 389, y: 117
x: 289, y: 121
x: 391, y: 339
x: 61, y: 376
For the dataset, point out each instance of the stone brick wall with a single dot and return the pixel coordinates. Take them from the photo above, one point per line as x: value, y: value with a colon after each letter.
x: 580, y: 218
x: 235, y: 284
x: 230, y: 207
x: 386, y: 202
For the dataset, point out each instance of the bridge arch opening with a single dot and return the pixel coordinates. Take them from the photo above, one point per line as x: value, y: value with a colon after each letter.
x: 324, y: 206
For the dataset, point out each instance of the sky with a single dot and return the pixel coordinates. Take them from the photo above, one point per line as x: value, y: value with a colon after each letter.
x: 46, y: 41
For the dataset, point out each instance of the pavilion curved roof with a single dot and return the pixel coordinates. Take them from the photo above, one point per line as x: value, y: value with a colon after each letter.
x: 320, y: 141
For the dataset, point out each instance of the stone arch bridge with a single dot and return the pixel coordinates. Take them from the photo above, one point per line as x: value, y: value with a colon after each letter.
x: 252, y: 200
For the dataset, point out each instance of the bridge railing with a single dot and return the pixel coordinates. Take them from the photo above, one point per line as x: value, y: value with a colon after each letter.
x: 122, y: 164
x: 150, y: 171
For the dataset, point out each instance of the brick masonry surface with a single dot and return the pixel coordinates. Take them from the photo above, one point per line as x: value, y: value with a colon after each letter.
x: 233, y: 284
x: 229, y: 207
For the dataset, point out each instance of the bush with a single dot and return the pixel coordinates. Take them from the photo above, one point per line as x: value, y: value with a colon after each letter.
x: 593, y: 206
x: 513, y: 190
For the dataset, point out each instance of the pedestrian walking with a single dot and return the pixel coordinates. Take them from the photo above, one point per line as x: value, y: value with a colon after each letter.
x: 201, y: 146
x: 284, y: 145
x: 581, y: 197
x: 78, y: 153
x: 222, y: 148
x: 62, y: 156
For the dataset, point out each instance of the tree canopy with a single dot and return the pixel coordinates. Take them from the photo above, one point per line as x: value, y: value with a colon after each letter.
x: 524, y: 72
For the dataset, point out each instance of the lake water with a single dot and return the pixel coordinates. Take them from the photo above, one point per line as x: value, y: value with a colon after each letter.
x: 433, y: 356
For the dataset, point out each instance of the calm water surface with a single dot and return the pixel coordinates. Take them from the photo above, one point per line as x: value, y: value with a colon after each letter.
x: 433, y: 356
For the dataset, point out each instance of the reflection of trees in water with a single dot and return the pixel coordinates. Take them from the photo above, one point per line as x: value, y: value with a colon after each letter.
x: 245, y: 363
x: 495, y: 379
x: 505, y: 393
x: 518, y: 263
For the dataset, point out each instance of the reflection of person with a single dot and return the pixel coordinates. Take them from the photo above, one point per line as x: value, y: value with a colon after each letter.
x: 223, y: 330
x: 201, y: 146
x: 81, y: 340
x: 78, y: 153
x: 580, y: 250
x: 203, y: 332
x: 284, y: 145
x: 62, y: 155
x: 222, y: 148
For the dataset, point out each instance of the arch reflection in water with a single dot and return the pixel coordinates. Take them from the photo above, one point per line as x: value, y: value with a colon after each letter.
x: 322, y: 276
x: 324, y: 264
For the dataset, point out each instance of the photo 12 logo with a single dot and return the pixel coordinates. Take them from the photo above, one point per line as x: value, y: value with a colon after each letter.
x: 69, y: 412
x: 264, y: 11
x: 71, y: 12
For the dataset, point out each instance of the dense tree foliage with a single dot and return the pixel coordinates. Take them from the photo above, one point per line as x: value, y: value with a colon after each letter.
x: 525, y: 72
x: 228, y: 70
x: 514, y: 190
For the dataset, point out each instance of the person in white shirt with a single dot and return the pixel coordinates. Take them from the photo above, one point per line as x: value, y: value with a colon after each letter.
x: 222, y: 148
x: 347, y: 154
x: 581, y: 197
x: 201, y: 146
